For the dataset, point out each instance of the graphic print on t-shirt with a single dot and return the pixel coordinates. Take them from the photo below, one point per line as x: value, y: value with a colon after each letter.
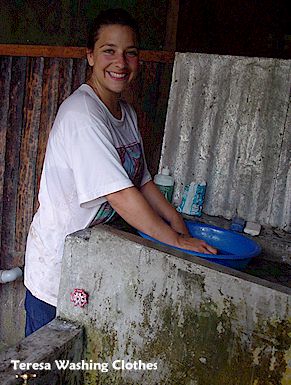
x: 132, y: 161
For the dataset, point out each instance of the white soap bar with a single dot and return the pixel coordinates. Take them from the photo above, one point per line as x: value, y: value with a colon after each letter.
x: 252, y: 228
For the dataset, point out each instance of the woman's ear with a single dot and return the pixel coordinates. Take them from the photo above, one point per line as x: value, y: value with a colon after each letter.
x: 90, y: 57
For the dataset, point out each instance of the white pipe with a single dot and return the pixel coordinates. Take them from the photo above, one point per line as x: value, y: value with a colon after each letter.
x: 10, y: 275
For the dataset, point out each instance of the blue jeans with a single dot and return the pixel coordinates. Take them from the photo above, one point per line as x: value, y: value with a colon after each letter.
x: 38, y: 313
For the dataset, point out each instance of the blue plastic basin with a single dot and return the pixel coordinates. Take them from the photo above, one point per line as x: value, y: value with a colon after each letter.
x: 234, y: 250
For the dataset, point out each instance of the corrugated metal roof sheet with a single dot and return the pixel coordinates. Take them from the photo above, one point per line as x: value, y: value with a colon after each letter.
x: 228, y: 123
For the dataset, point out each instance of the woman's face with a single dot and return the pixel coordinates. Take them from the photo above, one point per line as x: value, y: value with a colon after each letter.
x: 114, y: 59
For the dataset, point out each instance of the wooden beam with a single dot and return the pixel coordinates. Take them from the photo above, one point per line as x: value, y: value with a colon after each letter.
x: 157, y: 56
x: 42, y: 51
x: 172, y: 25
x: 74, y: 52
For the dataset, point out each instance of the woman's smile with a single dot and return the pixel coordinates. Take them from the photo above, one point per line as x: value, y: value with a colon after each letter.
x: 117, y: 76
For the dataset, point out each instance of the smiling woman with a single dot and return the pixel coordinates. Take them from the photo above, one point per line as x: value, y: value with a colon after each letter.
x: 95, y: 168
x: 114, y: 62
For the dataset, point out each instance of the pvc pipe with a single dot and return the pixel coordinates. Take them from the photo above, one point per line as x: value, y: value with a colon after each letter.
x: 10, y: 275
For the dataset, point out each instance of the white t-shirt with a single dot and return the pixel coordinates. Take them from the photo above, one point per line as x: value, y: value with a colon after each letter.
x: 89, y: 154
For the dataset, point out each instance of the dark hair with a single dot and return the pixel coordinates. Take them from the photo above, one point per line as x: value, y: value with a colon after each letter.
x: 110, y: 16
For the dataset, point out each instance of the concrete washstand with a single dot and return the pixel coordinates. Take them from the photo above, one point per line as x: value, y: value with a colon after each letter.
x: 192, y: 318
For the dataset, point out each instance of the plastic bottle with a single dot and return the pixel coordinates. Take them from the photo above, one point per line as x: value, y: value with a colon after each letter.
x: 193, y: 198
x: 165, y: 183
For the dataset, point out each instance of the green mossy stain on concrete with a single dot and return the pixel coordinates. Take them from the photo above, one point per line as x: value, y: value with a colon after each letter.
x: 100, y: 345
x: 203, y: 349
x: 192, y: 280
x: 147, y: 309
x: 272, y: 339
x: 193, y: 346
x: 198, y: 347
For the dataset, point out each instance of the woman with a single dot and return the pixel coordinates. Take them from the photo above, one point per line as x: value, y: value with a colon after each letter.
x: 94, y: 167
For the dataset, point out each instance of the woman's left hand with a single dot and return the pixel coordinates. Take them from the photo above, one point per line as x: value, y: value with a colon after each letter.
x: 177, y: 223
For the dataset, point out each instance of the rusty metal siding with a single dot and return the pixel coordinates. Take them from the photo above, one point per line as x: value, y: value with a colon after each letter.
x: 227, y: 124
x: 149, y: 96
x: 64, y: 75
x: 28, y: 150
x: 14, y: 126
x: 12, y: 78
x: 5, y: 76
x: 31, y: 89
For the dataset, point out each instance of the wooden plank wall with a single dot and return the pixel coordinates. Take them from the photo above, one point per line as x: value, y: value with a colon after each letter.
x: 31, y: 89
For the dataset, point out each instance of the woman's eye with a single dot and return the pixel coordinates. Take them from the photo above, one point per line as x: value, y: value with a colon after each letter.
x: 110, y: 51
x: 131, y: 53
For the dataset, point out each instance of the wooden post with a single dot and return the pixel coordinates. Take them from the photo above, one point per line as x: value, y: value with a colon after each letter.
x: 172, y: 25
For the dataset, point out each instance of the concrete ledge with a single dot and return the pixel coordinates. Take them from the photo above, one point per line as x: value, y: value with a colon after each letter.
x: 221, y: 222
x: 57, y: 340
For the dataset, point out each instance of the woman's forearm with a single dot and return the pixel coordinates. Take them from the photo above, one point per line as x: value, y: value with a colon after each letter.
x: 163, y: 208
x: 132, y: 206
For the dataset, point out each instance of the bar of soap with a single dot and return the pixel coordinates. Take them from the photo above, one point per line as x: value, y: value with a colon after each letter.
x: 237, y: 224
x: 252, y: 228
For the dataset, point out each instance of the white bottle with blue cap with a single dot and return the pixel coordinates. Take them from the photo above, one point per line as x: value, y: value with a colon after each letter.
x: 165, y: 183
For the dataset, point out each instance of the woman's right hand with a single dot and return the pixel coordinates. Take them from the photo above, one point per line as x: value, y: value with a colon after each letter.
x: 189, y: 243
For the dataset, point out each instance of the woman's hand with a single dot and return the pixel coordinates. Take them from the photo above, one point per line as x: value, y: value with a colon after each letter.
x: 165, y: 210
x: 194, y: 244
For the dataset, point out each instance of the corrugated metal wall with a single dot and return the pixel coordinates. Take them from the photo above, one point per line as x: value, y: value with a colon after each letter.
x: 31, y: 89
x: 228, y: 123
